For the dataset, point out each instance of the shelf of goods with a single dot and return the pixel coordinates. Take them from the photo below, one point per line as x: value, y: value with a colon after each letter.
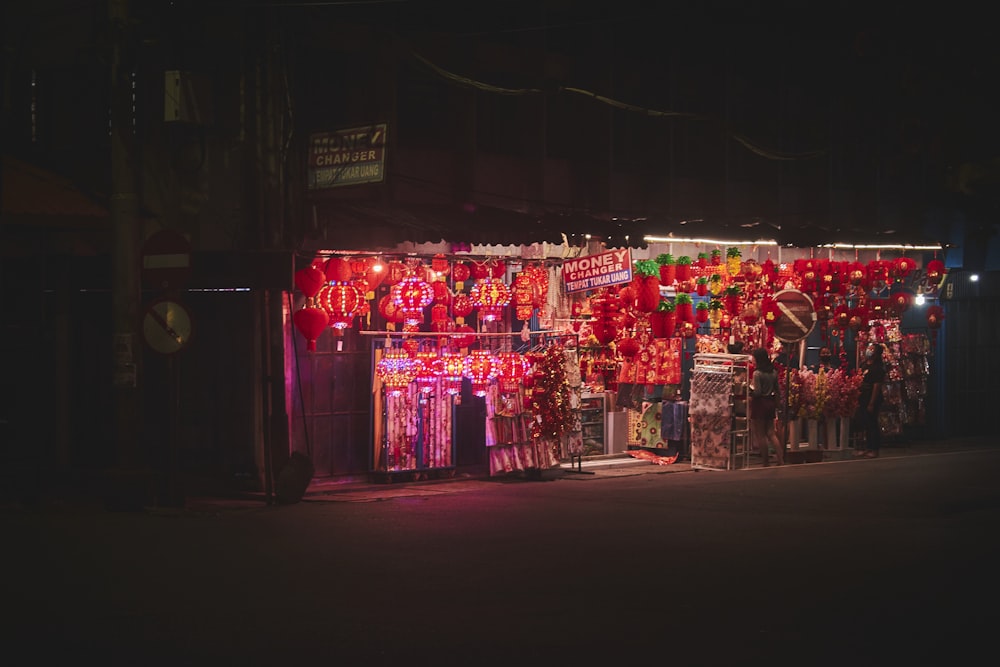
x: 720, y: 392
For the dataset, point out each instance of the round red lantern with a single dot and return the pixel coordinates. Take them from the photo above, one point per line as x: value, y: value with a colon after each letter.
x: 490, y: 296
x: 480, y: 270
x: 461, y: 305
x: 935, y: 314
x: 412, y: 295
x: 341, y: 302
x: 441, y: 292
x: 338, y: 268
x: 426, y: 376
x: 389, y: 311
x: 359, y: 266
x: 481, y: 368
x: 451, y: 368
x: 310, y: 321
x: 396, y: 369
x: 309, y: 280
x: 460, y: 272
x: 439, y: 264
x: 463, y: 336
x: 375, y: 274
x: 512, y: 367
x: 628, y: 347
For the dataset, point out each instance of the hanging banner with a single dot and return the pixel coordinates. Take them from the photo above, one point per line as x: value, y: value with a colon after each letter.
x: 613, y: 267
x: 347, y: 157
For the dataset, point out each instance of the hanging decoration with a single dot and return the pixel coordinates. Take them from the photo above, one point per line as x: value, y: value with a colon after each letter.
x: 461, y: 307
x: 550, y: 398
x: 512, y: 367
x: 338, y: 268
x: 396, y: 369
x: 451, y: 368
x: 523, y: 295
x: 464, y: 336
x: 310, y: 321
x: 426, y: 363
x: 341, y: 301
x: 412, y: 294
x: 460, y: 273
x: 490, y: 296
x: 390, y: 312
x: 481, y: 367
x: 309, y: 280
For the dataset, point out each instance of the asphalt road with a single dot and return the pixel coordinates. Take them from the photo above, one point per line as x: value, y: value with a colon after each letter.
x: 890, y: 561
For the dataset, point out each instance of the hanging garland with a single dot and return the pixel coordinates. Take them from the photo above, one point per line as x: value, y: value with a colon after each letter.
x: 551, y: 398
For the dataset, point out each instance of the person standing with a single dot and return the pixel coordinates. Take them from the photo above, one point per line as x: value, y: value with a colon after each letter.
x: 763, y: 407
x: 870, y: 402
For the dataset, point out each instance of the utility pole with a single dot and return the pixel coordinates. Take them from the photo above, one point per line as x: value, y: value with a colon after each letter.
x: 128, y: 485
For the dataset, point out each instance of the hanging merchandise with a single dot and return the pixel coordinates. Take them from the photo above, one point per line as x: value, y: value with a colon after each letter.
x: 647, y: 285
x: 310, y: 321
x: 341, y: 301
x: 411, y: 295
x: 481, y: 368
x: 490, y: 295
x: 511, y: 369
x: 427, y: 364
x: 451, y: 367
x: 396, y: 370
x: 309, y: 280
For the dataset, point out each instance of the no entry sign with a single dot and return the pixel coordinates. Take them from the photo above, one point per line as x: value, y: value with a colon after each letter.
x: 166, y: 260
x: 797, y: 316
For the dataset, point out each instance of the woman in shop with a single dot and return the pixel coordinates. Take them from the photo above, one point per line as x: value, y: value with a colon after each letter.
x: 870, y: 402
x: 763, y: 407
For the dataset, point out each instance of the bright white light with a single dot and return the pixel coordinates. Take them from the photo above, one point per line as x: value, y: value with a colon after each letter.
x: 919, y: 300
x: 974, y: 277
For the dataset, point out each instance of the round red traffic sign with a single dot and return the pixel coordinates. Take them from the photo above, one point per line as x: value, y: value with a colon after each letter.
x: 796, y: 316
x: 166, y: 260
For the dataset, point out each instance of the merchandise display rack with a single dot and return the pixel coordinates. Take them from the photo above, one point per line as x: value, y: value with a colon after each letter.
x: 720, y: 394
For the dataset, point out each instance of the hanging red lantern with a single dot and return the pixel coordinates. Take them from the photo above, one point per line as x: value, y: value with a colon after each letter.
x: 464, y: 336
x: 309, y: 280
x: 498, y: 269
x: 460, y: 273
x: 359, y: 266
x: 522, y: 296
x: 903, y: 266
x: 538, y: 278
x: 375, y: 274
x: 841, y: 316
x: 426, y: 364
x: 856, y: 273
x: 461, y: 306
x: 451, y: 368
x: 439, y: 264
x: 389, y: 311
x: 441, y: 292
x: 901, y: 300
x: 604, y: 330
x: 396, y: 271
x: 341, y: 301
x: 480, y: 270
x: 628, y: 347
x: 310, y: 321
x: 512, y: 367
x: 396, y: 370
x: 439, y: 312
x: 770, y: 310
x: 338, y: 268
x: 490, y: 296
x: 412, y: 295
x: 481, y: 368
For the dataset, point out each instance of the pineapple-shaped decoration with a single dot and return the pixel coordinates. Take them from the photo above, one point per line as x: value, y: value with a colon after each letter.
x: 733, y: 257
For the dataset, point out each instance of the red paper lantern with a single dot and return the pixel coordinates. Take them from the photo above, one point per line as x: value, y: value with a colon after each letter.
x: 481, y: 270
x: 628, y: 347
x: 935, y: 315
x: 498, y: 269
x: 461, y: 305
x: 490, y: 296
x: 481, y: 368
x: 310, y: 321
x: 459, y: 340
x: 441, y: 292
x: 460, y: 272
x: 512, y: 367
x: 375, y: 274
x: 359, y: 265
x: 412, y: 295
x: 341, y: 301
x: 426, y: 376
x: 451, y: 368
x: 396, y: 370
x: 538, y: 277
x: 439, y: 264
x: 523, y: 295
x: 309, y: 280
x: 389, y: 311
x: 338, y: 268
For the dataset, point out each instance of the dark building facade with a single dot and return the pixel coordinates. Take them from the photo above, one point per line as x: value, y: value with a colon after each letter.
x: 511, y: 128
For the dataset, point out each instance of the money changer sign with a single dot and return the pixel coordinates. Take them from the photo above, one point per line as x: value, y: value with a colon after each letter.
x: 347, y: 157
x: 602, y: 270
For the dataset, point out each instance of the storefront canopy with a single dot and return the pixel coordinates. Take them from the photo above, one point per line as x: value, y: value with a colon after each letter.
x: 383, y: 226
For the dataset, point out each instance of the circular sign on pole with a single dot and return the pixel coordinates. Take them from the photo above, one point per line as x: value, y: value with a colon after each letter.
x: 797, y: 316
x: 166, y: 260
x: 166, y: 326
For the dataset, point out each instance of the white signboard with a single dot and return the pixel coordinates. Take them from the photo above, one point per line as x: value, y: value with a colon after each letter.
x: 613, y: 267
